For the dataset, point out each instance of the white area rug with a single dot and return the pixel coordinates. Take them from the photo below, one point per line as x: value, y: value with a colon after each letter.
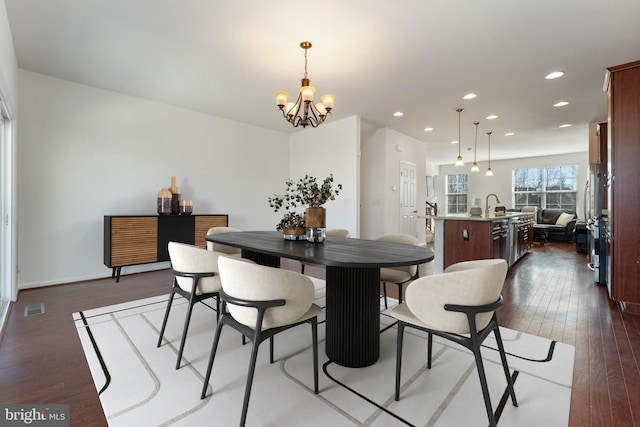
x: 139, y: 385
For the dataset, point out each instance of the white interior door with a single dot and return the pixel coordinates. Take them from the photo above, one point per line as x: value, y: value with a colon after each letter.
x: 408, y: 208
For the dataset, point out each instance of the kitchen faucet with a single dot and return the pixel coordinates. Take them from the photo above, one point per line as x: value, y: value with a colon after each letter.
x: 486, y: 204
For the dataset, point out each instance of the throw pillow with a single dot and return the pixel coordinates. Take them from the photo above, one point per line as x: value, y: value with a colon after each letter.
x: 564, y: 219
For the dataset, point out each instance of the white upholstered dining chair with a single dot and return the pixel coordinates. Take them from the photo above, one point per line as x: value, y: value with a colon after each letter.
x: 195, y: 278
x: 397, y: 275
x: 259, y: 302
x: 219, y: 247
x: 458, y: 305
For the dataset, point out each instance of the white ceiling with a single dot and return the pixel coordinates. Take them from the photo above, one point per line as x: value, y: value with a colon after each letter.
x: 420, y: 57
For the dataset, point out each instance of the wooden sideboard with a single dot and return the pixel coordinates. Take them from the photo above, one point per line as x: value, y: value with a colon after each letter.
x: 141, y: 239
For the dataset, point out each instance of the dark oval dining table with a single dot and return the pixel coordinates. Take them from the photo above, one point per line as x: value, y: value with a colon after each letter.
x: 352, y: 283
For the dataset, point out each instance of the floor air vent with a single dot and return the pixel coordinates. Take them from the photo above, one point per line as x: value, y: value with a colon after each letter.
x: 33, y: 310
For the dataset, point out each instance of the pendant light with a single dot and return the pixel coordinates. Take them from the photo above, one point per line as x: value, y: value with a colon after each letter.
x: 459, y: 161
x: 474, y: 167
x: 489, y: 171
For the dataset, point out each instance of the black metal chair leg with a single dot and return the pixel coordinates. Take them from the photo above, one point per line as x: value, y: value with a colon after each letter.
x: 166, y: 317
x: 314, y: 336
x: 483, y: 380
x: 271, y: 350
x: 184, y: 333
x: 505, y: 366
x: 399, y: 357
x: 399, y: 293
x: 252, y: 369
x: 384, y: 291
x: 214, y: 348
x: 429, y: 349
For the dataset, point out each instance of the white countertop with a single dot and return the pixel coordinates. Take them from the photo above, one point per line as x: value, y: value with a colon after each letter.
x: 467, y: 217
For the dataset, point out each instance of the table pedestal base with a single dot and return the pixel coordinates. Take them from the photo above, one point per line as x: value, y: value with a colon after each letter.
x: 353, y: 316
x: 262, y: 259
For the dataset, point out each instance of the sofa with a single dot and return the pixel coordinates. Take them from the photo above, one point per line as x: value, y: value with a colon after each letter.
x: 553, y: 225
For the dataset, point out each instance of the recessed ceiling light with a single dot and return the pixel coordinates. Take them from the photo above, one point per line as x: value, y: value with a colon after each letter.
x: 398, y: 113
x: 454, y: 142
x: 428, y: 129
x: 469, y: 96
x: 560, y: 104
x: 509, y: 134
x: 566, y: 125
x: 491, y: 117
x: 554, y: 75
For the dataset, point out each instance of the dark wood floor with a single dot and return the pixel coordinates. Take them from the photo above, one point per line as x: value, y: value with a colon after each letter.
x: 549, y: 293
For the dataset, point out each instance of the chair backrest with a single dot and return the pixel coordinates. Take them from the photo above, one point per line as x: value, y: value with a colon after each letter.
x: 224, y: 249
x: 337, y: 232
x: 256, y: 282
x: 192, y: 259
x: 406, y: 239
x: 471, y: 283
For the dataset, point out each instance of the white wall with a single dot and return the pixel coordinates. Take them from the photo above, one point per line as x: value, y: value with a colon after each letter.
x: 501, y: 183
x: 381, y: 157
x: 8, y: 63
x: 84, y: 153
x: 373, y: 179
x: 333, y: 147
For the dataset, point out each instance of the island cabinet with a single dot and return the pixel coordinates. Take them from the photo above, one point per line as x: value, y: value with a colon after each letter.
x: 623, y: 90
x: 469, y: 240
x: 140, y: 239
x: 463, y: 238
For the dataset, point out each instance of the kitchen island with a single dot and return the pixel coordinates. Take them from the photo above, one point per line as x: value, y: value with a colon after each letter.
x: 464, y: 238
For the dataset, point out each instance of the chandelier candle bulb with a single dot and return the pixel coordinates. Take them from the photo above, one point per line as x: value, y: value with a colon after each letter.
x: 327, y: 101
x: 281, y: 98
x: 307, y: 93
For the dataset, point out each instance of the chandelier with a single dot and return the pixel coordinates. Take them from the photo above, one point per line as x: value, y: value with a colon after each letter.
x: 304, y: 112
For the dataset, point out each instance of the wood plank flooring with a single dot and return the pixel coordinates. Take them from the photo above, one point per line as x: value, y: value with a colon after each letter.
x: 549, y: 293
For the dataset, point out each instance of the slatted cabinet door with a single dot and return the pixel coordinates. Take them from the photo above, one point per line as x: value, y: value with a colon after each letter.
x: 134, y: 240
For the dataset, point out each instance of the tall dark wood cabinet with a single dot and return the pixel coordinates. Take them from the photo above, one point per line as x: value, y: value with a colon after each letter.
x: 623, y: 89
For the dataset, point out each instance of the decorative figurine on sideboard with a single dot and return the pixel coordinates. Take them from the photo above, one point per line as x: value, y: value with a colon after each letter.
x: 175, y: 196
x: 164, y: 202
x: 170, y: 203
x: 186, y: 207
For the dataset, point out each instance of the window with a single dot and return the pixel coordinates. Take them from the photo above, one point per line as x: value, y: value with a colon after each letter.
x: 457, y: 187
x: 554, y: 187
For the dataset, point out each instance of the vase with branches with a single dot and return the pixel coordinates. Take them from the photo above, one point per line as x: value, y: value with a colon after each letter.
x: 306, y: 191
